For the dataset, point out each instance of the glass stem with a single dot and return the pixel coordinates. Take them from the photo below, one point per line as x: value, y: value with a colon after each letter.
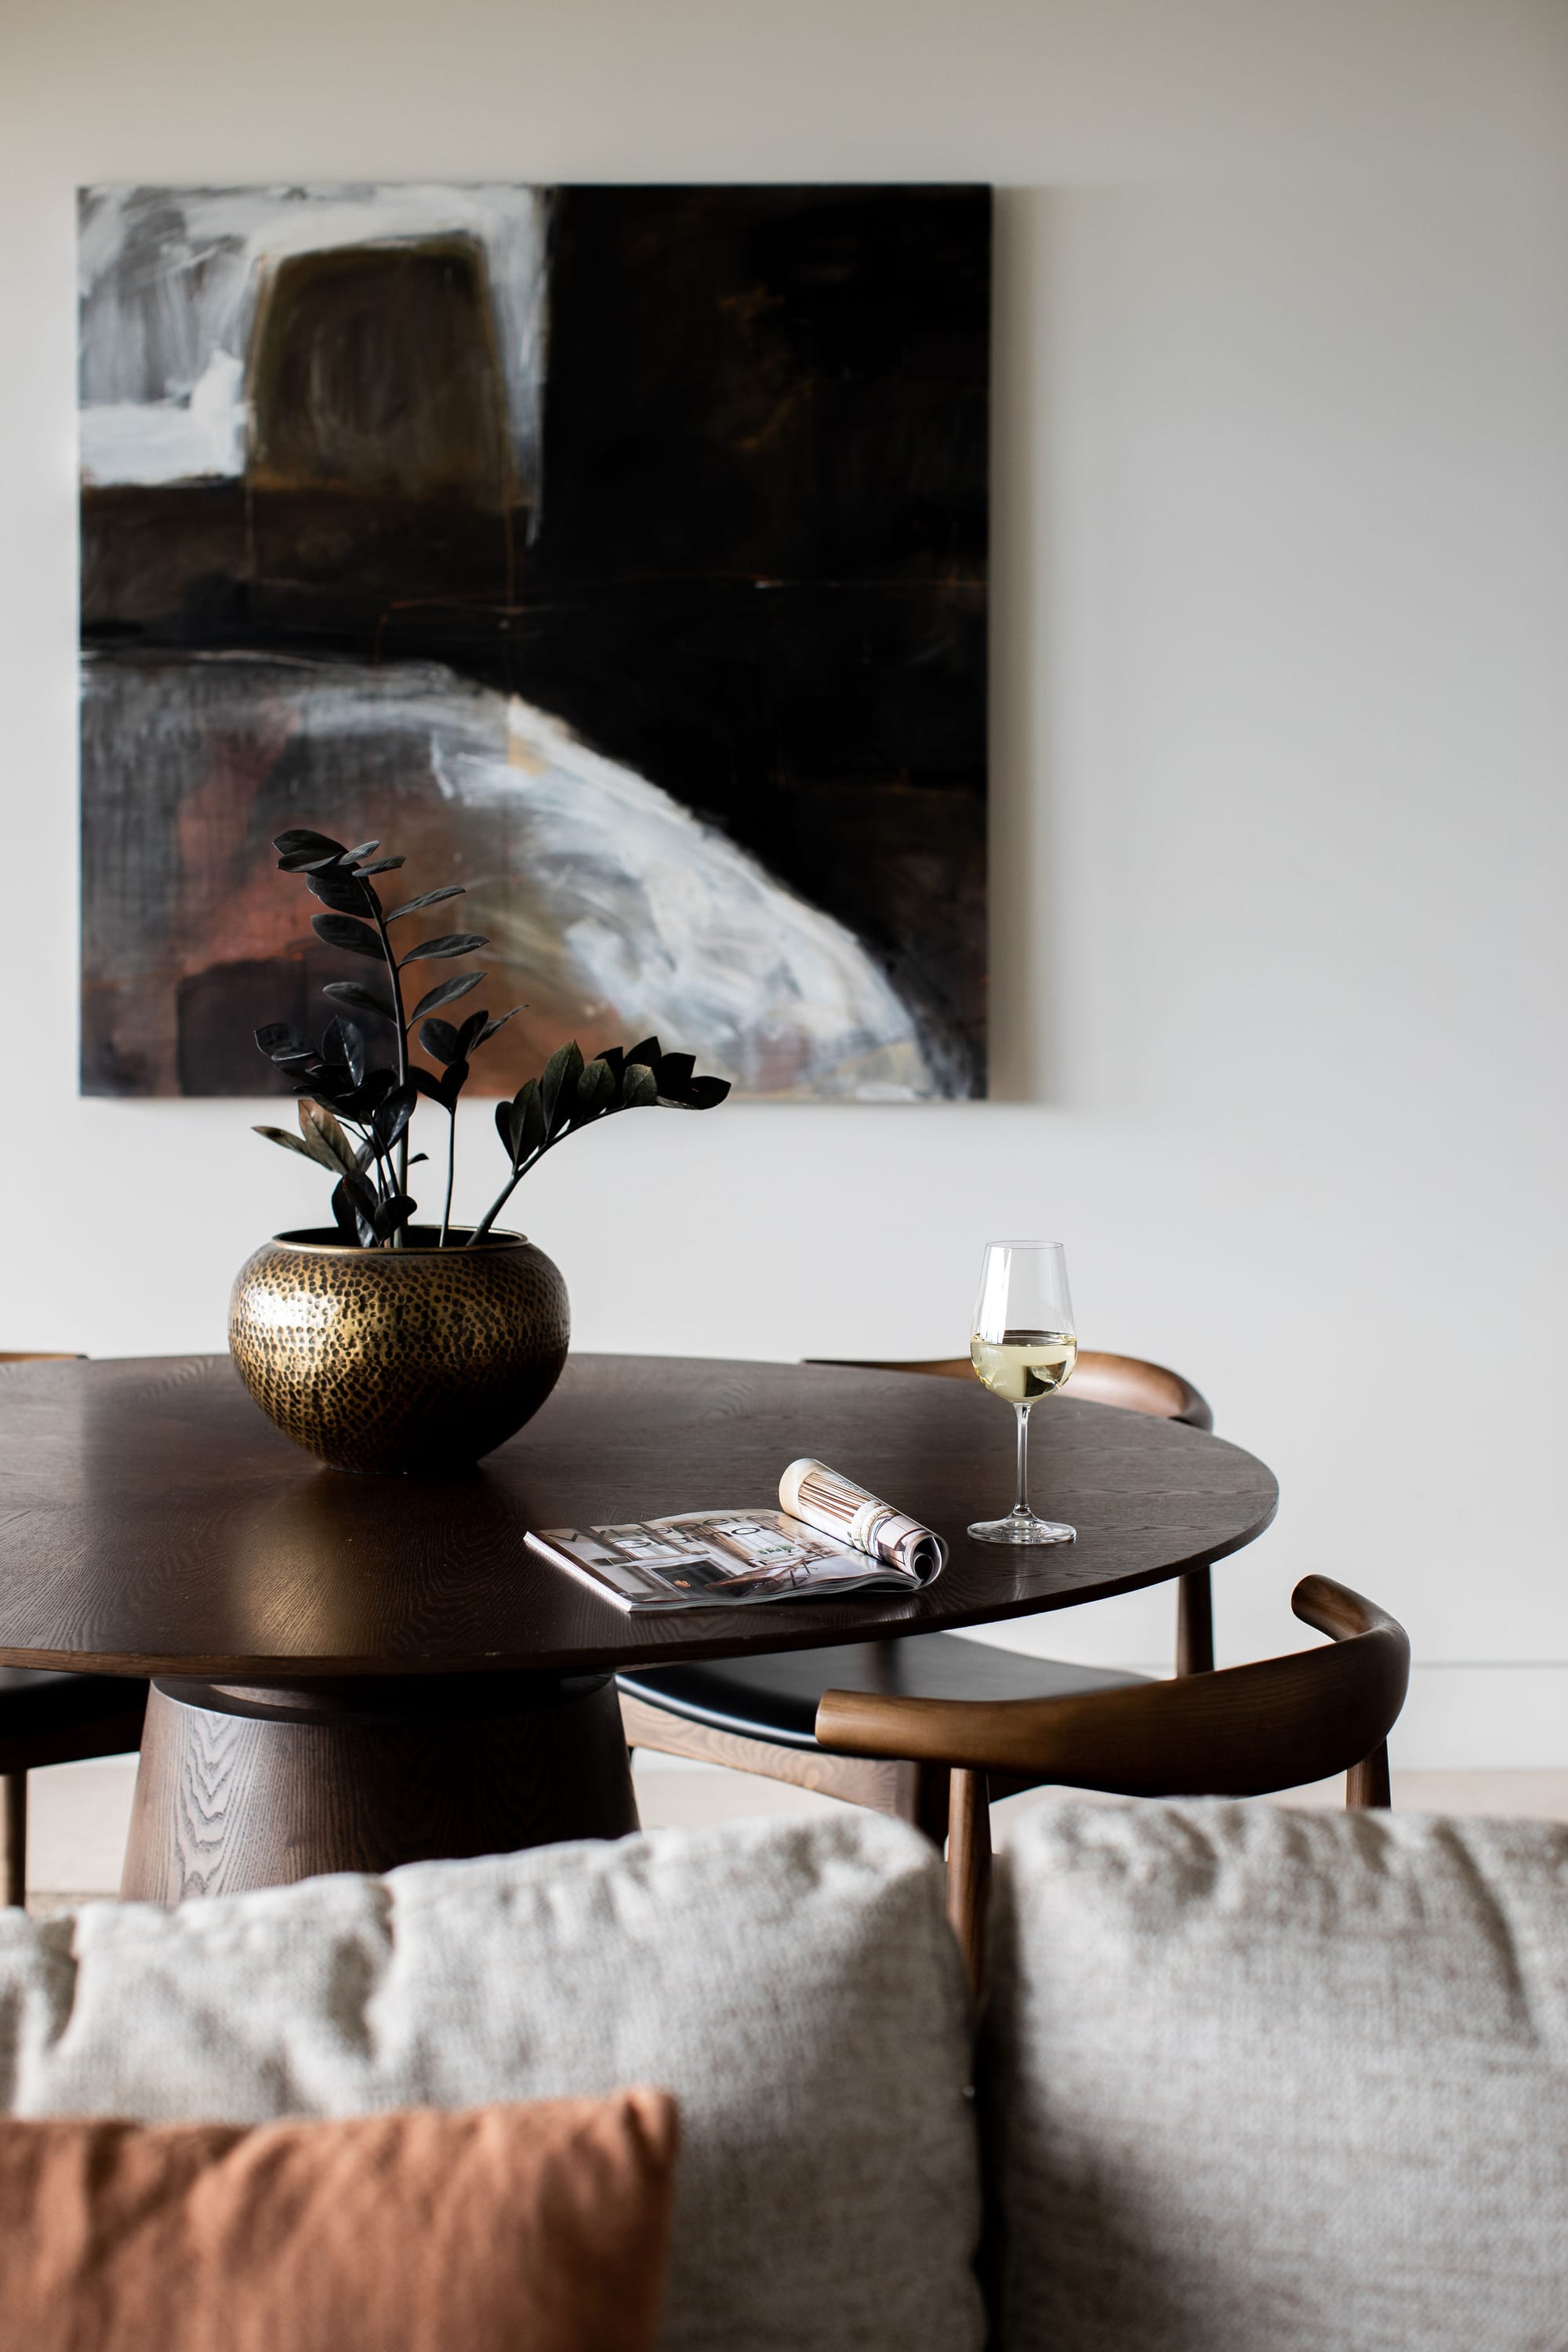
x: 1021, y: 1501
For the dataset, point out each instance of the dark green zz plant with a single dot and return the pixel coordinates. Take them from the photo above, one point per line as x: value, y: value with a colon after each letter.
x: 354, y: 1119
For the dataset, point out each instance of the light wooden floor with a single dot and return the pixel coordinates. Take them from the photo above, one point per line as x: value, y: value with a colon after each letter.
x: 80, y: 1811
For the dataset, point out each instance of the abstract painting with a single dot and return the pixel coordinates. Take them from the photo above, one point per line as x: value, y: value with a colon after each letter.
x: 619, y: 552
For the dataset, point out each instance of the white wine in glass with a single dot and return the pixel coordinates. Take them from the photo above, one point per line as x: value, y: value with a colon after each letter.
x: 1023, y: 1347
x: 1024, y: 1366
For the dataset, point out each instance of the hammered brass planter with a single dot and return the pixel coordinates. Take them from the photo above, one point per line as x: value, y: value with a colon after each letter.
x: 414, y: 1361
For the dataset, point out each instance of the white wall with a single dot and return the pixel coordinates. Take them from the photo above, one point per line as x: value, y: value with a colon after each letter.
x: 1281, y: 506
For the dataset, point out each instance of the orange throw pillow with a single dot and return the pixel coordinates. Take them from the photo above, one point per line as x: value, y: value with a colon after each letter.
x: 544, y: 2226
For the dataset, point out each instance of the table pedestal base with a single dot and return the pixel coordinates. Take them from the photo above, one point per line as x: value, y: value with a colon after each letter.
x: 247, y: 1785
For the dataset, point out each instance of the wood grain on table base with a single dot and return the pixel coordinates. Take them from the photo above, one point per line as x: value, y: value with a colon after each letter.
x: 240, y: 1788
x: 152, y: 1521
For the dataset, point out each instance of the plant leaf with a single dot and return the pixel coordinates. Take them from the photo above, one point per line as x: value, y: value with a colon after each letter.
x: 317, y: 1149
x: 299, y: 847
x: 354, y: 1204
x: 499, y: 1022
x: 318, y: 1125
x: 362, y: 1100
x: 290, y: 844
x: 394, y: 1113
x: 447, y: 993
x: 343, y: 1045
x: 330, y: 1082
x: 647, y: 1053
x: 453, y: 1080
x: 347, y: 1222
x: 520, y: 1123
x: 428, y: 898
x: 343, y: 932
x: 388, y: 1216
x: 283, y: 1044
x: 527, y: 1123
x: 381, y: 866
x: 360, y: 1191
x: 679, y: 1089
x: 595, y: 1092
x: 469, y: 1031
x: 365, y: 849
x: 322, y: 1159
x: 439, y: 1040
x: 335, y: 887
x: 639, y: 1087
x: 364, y: 1000
x: 449, y: 943
x: 558, y: 1086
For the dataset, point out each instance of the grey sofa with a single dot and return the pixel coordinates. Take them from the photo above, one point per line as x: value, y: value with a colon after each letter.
x: 1246, y: 2080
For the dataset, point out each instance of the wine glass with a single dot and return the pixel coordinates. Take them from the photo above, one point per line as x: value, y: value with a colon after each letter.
x: 1023, y: 1347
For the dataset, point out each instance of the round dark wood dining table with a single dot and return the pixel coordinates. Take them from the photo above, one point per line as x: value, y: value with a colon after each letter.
x: 348, y: 1672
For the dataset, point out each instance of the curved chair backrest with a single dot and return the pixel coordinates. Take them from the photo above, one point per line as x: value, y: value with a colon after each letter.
x: 1130, y: 1381
x: 1133, y: 1385
x: 1242, y: 1732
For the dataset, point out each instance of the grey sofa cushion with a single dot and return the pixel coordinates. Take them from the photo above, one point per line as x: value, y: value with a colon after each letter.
x: 795, y: 1984
x: 1281, y: 2082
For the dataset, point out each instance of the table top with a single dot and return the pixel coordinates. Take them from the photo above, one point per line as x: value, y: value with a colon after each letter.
x: 153, y: 1521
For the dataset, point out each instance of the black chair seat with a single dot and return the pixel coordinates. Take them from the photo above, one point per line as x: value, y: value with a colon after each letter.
x: 774, y: 1697
x: 34, y: 1704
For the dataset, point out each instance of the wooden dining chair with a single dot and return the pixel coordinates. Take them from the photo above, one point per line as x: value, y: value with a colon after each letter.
x: 1247, y: 1731
x: 1133, y: 1385
x: 54, y: 1719
x: 758, y: 1713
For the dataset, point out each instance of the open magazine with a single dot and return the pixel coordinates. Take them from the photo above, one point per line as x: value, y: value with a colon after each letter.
x: 830, y: 1537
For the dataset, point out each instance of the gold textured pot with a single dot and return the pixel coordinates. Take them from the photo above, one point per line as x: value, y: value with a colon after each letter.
x: 412, y: 1361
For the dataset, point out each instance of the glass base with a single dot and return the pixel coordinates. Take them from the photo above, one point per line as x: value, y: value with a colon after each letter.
x: 1023, y: 1527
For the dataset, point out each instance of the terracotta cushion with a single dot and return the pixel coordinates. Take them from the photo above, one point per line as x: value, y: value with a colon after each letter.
x: 543, y: 2225
x: 794, y: 1984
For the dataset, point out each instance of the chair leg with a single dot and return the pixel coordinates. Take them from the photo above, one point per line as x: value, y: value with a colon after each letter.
x: 969, y: 1869
x: 1366, y: 1784
x: 15, y: 1786
x: 1195, y: 1624
x: 921, y: 1798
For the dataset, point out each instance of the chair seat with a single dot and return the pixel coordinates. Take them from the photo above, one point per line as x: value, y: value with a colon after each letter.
x: 774, y: 1697
x: 33, y: 1703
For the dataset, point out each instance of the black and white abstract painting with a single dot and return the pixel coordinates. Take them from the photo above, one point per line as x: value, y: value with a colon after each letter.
x: 619, y: 552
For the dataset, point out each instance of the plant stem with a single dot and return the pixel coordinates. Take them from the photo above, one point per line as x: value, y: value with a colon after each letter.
x: 396, y: 980
x: 504, y: 1195
x: 381, y: 1163
x: 377, y: 1161
x: 451, y: 1170
x: 493, y: 1212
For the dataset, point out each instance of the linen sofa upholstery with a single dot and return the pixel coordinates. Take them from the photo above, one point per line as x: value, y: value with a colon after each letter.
x: 795, y: 1985
x: 1264, y: 2081
x: 1255, y: 2081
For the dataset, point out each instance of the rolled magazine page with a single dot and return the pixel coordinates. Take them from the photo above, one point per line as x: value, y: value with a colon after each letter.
x: 835, y: 1506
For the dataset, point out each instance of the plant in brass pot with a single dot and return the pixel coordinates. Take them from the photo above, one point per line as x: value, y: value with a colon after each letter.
x: 378, y: 1342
